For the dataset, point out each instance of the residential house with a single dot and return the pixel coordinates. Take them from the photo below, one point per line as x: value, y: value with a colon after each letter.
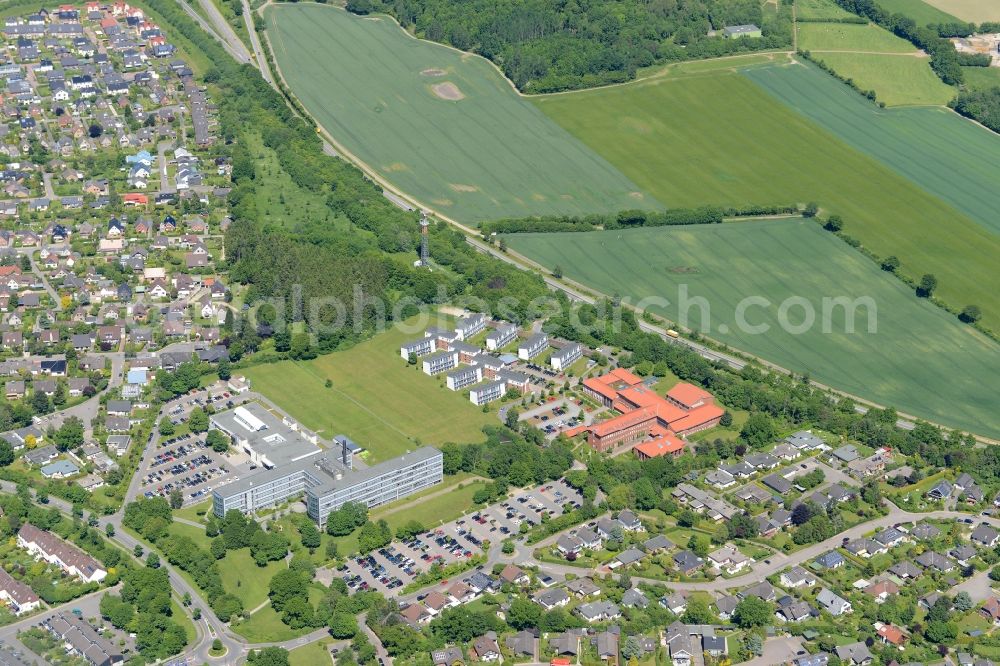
x: 833, y: 603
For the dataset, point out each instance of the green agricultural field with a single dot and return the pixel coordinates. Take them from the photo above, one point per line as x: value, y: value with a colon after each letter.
x: 973, y: 11
x: 898, y: 80
x: 819, y: 9
x: 979, y: 78
x: 376, y: 399
x: 443, y: 126
x: 945, y: 154
x: 849, y: 37
x: 916, y: 345
x: 922, y: 12
x: 718, y: 138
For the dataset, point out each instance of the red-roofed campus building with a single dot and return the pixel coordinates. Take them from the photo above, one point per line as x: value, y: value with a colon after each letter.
x: 645, y: 415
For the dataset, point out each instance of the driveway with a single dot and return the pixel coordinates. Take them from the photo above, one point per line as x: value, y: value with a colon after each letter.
x: 778, y: 650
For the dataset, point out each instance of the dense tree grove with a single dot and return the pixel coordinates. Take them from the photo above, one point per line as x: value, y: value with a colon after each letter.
x: 545, y: 45
x: 980, y: 105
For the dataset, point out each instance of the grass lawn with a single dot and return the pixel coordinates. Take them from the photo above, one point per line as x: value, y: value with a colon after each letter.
x: 434, y: 511
x: 980, y: 78
x: 178, y: 616
x: 785, y: 259
x: 244, y: 579
x: 973, y: 11
x: 265, y: 626
x: 924, y: 13
x: 673, y: 137
x: 379, y: 401
x: 312, y: 654
x: 819, y: 9
x: 850, y: 37
x: 898, y: 80
x: 444, y: 126
x: 192, y: 512
x: 196, y: 534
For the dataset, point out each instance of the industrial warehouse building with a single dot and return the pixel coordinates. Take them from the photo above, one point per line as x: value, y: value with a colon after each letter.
x: 295, y: 464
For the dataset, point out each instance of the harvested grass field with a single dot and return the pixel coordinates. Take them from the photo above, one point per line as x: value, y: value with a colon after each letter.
x: 974, y: 11
x: 443, y: 126
x: 849, y: 37
x: 719, y: 138
x: 898, y: 80
x: 916, y: 346
x: 376, y: 399
x: 922, y: 12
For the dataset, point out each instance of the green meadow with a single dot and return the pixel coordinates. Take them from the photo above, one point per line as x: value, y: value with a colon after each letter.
x: 728, y: 138
x: 919, y: 359
x: 375, y: 398
x: 443, y: 126
x: 849, y: 37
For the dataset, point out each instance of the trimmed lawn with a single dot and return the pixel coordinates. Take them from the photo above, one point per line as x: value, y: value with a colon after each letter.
x: 724, y: 265
x: 178, y: 616
x: 196, y: 534
x: 243, y: 578
x: 191, y: 512
x: 265, y: 626
x: 443, y: 125
x: 850, y: 37
x: 313, y: 654
x: 379, y: 401
x: 898, y: 80
x: 434, y: 511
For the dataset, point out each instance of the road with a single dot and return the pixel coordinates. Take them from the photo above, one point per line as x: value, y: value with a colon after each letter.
x: 258, y: 52
x: 241, y: 56
x: 225, y: 31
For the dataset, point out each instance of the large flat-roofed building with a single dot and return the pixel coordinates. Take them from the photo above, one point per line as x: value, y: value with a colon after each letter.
x: 268, y: 440
x: 296, y: 465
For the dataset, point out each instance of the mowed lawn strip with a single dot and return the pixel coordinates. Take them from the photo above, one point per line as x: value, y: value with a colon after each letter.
x: 916, y: 346
x: 898, y: 80
x: 244, y: 579
x: 432, y: 511
x: 718, y: 138
x: 918, y: 10
x: 376, y: 399
x: 490, y: 154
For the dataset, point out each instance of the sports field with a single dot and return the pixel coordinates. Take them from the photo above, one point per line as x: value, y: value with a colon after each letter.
x: 918, y: 10
x: 379, y: 401
x: 849, y: 37
x: 920, y: 360
x: 720, y: 138
x: 443, y: 126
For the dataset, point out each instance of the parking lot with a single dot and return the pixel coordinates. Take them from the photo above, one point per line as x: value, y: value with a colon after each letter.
x: 389, y: 569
